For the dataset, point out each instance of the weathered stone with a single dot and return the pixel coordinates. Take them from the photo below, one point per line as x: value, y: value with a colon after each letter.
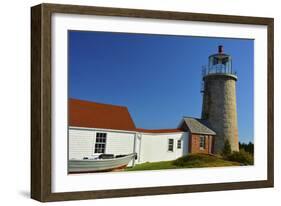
x: 219, y: 108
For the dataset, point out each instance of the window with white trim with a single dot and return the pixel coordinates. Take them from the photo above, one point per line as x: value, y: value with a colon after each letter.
x: 179, y: 144
x: 100, y: 142
x: 170, y: 145
x: 202, y: 142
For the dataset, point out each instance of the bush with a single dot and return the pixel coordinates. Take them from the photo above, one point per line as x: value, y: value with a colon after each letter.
x: 226, y: 149
x: 242, y: 157
x: 183, y: 160
x: 193, y: 159
x: 201, y: 160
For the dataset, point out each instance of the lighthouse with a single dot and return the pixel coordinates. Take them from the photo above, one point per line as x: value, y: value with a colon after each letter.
x: 219, y: 99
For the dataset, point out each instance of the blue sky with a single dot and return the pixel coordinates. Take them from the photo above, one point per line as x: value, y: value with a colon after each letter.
x: 157, y: 77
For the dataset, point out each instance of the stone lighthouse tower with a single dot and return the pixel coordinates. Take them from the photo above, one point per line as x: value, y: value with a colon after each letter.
x: 219, y: 100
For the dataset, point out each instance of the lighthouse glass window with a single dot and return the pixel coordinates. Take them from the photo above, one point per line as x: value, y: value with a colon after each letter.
x: 132, y: 96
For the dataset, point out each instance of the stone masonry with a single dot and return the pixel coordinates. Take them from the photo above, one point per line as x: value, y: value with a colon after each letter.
x: 219, y: 108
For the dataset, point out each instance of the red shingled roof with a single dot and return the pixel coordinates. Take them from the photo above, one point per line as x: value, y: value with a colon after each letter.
x: 96, y: 115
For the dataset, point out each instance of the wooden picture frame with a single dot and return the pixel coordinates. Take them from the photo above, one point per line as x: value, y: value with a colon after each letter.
x: 41, y: 95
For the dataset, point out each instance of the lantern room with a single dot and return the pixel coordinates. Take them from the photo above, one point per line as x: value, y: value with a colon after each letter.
x: 219, y: 63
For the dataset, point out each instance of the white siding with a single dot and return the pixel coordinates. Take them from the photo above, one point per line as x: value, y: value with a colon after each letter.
x: 119, y: 143
x: 149, y: 147
x: 80, y: 143
x: 154, y: 147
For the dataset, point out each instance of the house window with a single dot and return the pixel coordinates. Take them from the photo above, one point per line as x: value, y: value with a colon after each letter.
x: 179, y: 144
x: 170, y: 145
x: 202, y: 142
x: 100, y: 142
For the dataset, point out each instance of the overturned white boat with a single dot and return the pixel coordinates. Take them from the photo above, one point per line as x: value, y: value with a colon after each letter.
x: 102, y: 163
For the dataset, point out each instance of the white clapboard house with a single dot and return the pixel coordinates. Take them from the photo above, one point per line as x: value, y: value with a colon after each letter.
x: 96, y: 128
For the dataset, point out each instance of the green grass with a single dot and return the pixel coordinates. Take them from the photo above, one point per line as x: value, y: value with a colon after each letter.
x: 152, y: 166
x: 189, y: 161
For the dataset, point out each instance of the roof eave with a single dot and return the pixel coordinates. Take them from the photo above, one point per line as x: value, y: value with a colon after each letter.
x: 204, y: 133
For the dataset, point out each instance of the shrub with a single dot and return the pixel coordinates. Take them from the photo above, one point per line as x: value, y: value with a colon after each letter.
x: 182, y: 160
x: 226, y: 149
x: 242, y: 157
x: 195, y: 159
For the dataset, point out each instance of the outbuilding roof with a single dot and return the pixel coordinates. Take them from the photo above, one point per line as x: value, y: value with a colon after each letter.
x: 198, y: 126
x: 96, y: 115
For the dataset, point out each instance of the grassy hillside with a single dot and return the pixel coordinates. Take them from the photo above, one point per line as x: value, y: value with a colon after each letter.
x: 189, y: 161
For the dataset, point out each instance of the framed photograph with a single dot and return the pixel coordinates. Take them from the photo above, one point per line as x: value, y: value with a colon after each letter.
x: 130, y: 102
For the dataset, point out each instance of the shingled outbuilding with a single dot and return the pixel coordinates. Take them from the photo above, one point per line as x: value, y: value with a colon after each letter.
x: 201, y: 138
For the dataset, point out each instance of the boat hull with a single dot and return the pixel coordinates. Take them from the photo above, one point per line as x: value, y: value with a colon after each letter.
x: 100, y: 165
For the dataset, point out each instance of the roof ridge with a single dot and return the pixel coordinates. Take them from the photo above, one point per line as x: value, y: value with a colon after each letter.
x: 106, y: 104
x: 191, y: 117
